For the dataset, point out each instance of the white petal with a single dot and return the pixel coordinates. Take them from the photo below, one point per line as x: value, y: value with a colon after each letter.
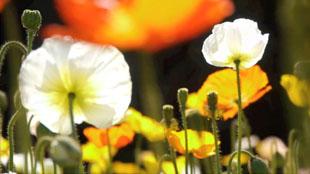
x: 98, y: 76
x: 230, y: 40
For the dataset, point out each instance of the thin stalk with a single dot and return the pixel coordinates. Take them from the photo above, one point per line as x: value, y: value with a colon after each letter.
x: 239, y: 170
x: 184, y: 121
x: 217, y: 148
x: 71, y: 97
x: 30, y: 37
x: 41, y: 145
x: 54, y: 167
x: 232, y: 156
x: 161, y: 160
x: 110, y: 169
x: 30, y: 147
x: 138, y: 149
x: 167, y: 116
x: 11, y: 138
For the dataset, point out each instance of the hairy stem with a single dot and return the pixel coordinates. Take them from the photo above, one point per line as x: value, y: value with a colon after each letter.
x: 11, y: 124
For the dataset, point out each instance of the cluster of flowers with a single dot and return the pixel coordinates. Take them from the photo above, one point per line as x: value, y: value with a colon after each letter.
x: 67, y: 82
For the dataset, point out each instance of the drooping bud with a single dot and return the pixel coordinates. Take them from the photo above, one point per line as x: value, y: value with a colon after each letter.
x: 31, y: 19
x: 65, y: 151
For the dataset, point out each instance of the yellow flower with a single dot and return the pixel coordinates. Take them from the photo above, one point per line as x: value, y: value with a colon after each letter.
x: 254, y: 84
x: 98, y: 76
x: 4, y: 148
x: 245, y: 158
x: 151, y: 165
x: 200, y: 144
x: 148, y: 127
x: 297, y: 90
x: 97, y: 157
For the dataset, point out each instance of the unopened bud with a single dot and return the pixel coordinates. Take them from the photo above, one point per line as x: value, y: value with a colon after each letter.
x: 182, y: 96
x: 65, y: 151
x: 212, y: 101
x: 31, y: 19
x: 174, y: 124
x: 167, y: 114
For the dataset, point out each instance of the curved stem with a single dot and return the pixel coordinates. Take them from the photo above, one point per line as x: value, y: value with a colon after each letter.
x: 11, y: 138
x: 237, y: 62
x: 232, y: 157
x: 41, y: 145
x: 11, y: 44
x: 161, y: 160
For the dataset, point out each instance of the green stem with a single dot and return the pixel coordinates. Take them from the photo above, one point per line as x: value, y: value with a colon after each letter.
x: 232, y: 156
x: 11, y: 138
x: 138, y: 149
x: 11, y: 44
x: 110, y: 168
x: 161, y: 160
x: 40, y: 147
x: 71, y: 97
x: 30, y: 147
x: 30, y: 37
x: 239, y: 170
x: 54, y: 167
x: 184, y: 121
x: 217, y: 148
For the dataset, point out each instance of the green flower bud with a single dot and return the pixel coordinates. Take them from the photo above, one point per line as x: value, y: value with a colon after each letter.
x: 31, y: 19
x: 182, y: 96
x: 212, y: 101
x: 257, y: 166
x: 65, y: 151
x: 167, y: 113
x: 3, y: 101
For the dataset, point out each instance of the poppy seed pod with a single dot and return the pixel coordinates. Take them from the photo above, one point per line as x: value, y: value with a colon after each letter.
x: 65, y: 151
x: 31, y: 19
x: 212, y: 101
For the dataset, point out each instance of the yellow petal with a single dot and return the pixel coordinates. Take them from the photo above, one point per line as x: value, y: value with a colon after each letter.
x: 297, y: 90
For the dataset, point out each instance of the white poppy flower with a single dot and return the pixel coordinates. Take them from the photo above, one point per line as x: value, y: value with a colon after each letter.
x: 269, y: 146
x: 97, y: 75
x: 230, y: 41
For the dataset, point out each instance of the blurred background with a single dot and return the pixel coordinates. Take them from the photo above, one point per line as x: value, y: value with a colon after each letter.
x: 182, y: 65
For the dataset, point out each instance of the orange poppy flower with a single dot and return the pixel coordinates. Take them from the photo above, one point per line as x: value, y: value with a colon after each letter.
x: 138, y: 24
x: 200, y: 144
x: 254, y: 84
x: 2, y: 4
x: 119, y: 136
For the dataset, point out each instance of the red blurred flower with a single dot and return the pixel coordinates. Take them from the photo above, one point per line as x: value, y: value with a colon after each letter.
x: 138, y: 24
x: 2, y: 4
